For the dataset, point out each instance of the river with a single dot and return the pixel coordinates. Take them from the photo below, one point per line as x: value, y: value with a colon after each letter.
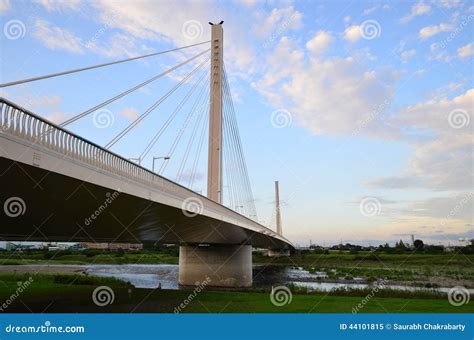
x: 166, y: 276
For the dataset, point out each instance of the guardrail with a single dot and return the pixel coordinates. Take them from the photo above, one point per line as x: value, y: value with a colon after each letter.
x: 22, y: 123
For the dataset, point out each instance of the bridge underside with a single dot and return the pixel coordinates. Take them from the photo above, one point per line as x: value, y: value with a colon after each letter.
x: 60, y: 208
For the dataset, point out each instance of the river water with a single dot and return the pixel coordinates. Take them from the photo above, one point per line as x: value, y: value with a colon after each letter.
x: 166, y: 276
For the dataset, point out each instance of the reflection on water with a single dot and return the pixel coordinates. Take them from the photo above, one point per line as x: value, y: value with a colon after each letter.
x: 140, y: 275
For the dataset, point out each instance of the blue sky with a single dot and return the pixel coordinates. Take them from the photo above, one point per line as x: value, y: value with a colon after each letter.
x: 361, y: 109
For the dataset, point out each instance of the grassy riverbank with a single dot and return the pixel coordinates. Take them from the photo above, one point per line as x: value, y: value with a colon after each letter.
x: 430, y: 270
x: 73, y: 293
x: 418, y: 269
x: 89, y: 256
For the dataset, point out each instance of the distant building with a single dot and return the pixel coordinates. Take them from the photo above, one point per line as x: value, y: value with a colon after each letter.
x: 110, y: 246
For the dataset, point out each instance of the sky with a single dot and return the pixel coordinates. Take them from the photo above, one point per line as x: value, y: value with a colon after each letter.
x: 363, y: 110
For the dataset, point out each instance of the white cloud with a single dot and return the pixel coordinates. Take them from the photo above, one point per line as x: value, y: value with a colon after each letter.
x: 56, y: 38
x: 248, y: 3
x: 4, y: 6
x: 353, y: 33
x: 59, y: 5
x: 416, y: 10
x: 466, y: 51
x: 407, y: 55
x: 375, y: 8
x: 57, y: 117
x: 455, y: 206
x: 429, y: 31
x: 118, y: 45
x: 448, y: 3
x: 151, y: 20
x: 320, y: 42
x: 443, y: 159
x: 330, y: 95
x: 49, y: 100
x: 278, y: 20
x: 130, y: 113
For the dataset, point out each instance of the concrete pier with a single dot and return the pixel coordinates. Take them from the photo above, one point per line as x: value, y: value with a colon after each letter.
x: 220, y: 265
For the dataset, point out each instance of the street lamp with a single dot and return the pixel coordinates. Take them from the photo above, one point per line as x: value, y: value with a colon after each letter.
x: 155, y: 158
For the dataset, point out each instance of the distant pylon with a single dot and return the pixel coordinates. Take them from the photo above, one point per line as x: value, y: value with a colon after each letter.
x: 277, y: 208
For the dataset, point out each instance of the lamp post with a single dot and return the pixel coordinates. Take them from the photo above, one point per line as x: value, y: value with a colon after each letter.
x: 155, y: 158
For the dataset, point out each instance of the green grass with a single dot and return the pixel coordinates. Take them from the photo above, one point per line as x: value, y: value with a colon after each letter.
x: 73, y: 293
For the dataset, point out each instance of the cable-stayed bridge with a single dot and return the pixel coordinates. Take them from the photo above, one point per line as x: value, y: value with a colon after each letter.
x: 59, y: 186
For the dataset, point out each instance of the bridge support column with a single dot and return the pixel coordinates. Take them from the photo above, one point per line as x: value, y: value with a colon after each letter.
x: 219, y: 265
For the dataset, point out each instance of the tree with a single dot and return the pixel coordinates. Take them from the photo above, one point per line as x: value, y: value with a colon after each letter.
x: 418, y: 244
x: 400, y: 245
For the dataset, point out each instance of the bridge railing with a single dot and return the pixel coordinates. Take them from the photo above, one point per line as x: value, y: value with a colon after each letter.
x: 23, y: 123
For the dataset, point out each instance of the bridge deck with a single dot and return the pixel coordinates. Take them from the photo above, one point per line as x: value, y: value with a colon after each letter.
x: 64, y: 179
